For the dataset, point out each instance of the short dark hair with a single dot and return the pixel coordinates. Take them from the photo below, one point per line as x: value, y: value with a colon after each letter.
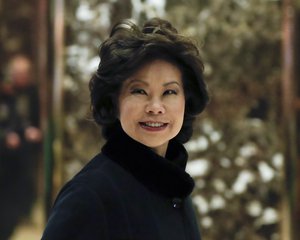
x: 126, y: 50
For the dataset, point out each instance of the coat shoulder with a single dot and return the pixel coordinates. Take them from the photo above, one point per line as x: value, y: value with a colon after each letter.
x: 84, y: 201
x: 96, y: 179
x: 102, y: 176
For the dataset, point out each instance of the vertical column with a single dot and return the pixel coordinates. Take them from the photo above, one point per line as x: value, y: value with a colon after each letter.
x: 297, y: 72
x: 289, y: 119
x: 57, y: 100
x: 43, y: 68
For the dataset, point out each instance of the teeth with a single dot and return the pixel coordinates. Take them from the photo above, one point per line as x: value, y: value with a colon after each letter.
x: 150, y: 124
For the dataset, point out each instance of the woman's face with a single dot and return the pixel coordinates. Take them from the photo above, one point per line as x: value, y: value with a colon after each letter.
x: 151, y: 105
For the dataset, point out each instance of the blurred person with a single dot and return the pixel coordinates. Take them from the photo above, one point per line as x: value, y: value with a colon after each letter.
x: 26, y: 94
x: 145, y: 95
x: 20, y: 139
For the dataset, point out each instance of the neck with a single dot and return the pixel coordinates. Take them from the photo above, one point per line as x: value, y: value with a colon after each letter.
x: 161, y: 150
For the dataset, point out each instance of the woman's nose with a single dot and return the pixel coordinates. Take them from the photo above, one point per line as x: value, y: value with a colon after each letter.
x: 155, y: 107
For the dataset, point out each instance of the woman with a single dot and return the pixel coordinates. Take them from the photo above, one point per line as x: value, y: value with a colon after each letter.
x: 145, y: 95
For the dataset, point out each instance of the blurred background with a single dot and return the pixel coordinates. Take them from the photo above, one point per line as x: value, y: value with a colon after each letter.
x: 245, y: 149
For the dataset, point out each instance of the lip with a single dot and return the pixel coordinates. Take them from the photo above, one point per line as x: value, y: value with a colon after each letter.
x: 156, y: 126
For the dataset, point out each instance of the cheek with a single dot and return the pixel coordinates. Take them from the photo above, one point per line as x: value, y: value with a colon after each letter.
x: 180, y: 112
x: 127, y: 109
x: 180, y: 107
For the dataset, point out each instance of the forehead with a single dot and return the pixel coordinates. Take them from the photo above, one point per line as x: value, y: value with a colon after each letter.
x: 157, y: 69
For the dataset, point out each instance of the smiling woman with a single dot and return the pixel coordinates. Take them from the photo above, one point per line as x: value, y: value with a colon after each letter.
x: 145, y: 95
x: 151, y: 105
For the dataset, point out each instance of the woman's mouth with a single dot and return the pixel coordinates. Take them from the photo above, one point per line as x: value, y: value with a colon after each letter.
x: 153, y: 126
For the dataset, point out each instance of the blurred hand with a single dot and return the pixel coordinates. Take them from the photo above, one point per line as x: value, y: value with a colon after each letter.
x: 33, y: 134
x: 13, y: 140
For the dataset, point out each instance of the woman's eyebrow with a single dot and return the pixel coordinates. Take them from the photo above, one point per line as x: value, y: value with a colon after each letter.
x: 137, y: 81
x: 169, y: 83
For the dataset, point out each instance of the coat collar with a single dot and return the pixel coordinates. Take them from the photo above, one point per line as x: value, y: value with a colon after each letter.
x: 165, y: 176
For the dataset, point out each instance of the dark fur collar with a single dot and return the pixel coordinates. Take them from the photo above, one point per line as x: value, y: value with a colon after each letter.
x: 165, y: 176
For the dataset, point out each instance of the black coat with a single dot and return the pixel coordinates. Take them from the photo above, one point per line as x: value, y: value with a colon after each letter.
x: 127, y: 192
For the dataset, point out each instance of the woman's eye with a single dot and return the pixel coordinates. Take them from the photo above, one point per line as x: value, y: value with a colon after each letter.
x: 138, y: 91
x: 170, y: 92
